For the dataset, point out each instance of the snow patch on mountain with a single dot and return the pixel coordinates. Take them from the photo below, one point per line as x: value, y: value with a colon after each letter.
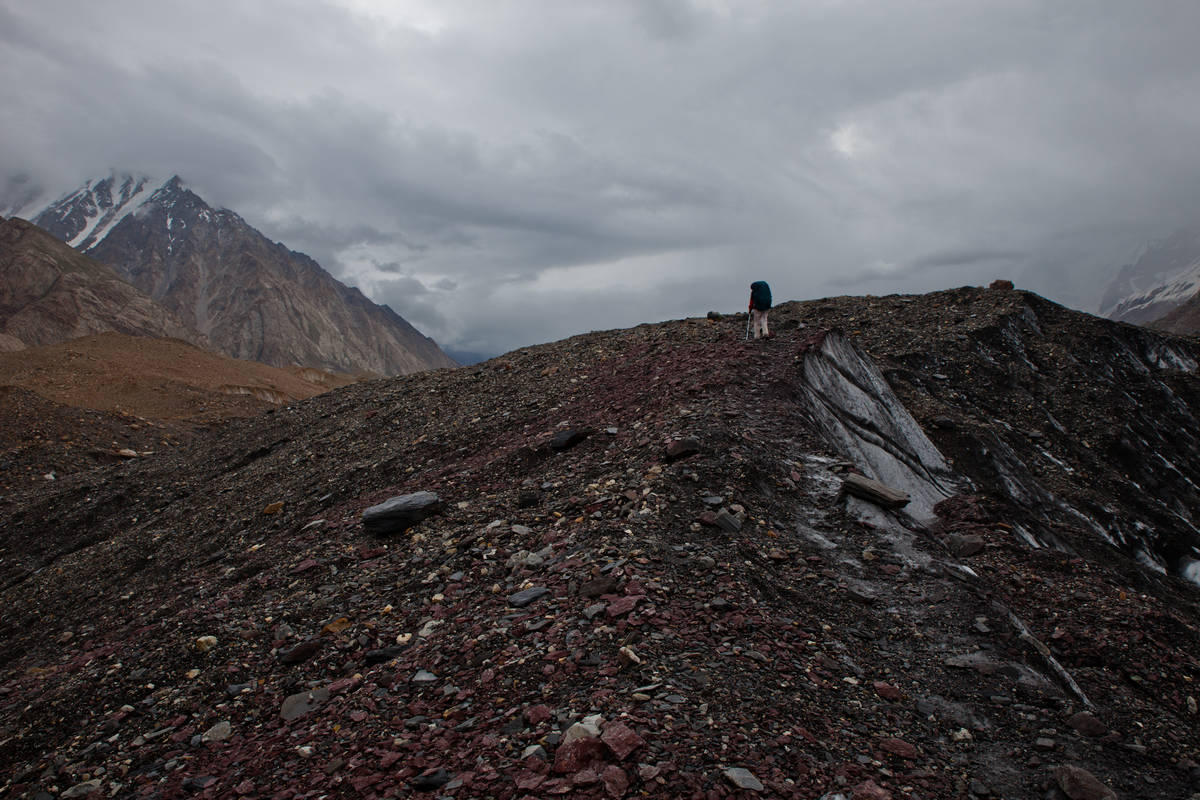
x: 1165, y: 275
x: 83, y: 218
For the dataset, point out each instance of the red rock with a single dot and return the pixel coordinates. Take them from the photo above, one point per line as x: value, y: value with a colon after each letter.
x: 887, y: 691
x: 362, y: 782
x: 343, y: 684
x: 302, y: 651
x: 899, y: 747
x: 616, y: 782
x: 585, y: 777
x: 245, y: 787
x: 304, y: 565
x: 536, y: 715
x: 605, y: 584
x: 579, y: 754
x: 528, y: 781
x: 623, y: 605
x: 1079, y: 784
x: 870, y: 790
x: 621, y: 739
x: 682, y: 448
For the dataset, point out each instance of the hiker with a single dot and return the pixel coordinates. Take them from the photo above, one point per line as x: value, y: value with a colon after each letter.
x: 760, y: 304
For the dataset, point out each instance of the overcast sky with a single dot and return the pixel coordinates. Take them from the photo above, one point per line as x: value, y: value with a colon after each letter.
x: 505, y: 172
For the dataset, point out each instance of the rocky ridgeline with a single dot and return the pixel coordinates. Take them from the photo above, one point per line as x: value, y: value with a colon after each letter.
x: 892, y: 552
x: 250, y: 297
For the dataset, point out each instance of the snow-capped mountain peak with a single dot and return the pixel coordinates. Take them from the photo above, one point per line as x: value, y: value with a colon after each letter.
x: 252, y: 297
x: 84, y: 217
x: 1165, y: 276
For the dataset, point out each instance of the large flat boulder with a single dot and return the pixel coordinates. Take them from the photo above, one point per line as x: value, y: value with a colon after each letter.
x: 400, y: 513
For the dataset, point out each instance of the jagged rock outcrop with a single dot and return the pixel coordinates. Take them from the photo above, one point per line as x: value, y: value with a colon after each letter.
x: 869, y: 425
x: 254, y: 298
x: 576, y: 621
x: 50, y: 293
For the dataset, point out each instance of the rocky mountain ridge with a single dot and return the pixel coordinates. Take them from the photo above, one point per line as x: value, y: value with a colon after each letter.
x: 253, y: 298
x: 1164, y: 277
x: 1183, y: 319
x: 50, y: 293
x: 644, y: 574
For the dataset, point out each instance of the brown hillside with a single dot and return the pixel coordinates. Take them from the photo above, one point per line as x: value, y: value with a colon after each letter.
x: 157, y: 378
x: 50, y: 293
x: 71, y: 406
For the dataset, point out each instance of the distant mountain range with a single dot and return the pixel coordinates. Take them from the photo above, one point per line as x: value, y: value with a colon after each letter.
x: 252, y: 298
x: 1164, y: 278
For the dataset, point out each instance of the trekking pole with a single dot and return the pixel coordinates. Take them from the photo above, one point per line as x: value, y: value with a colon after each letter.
x: 747, y: 326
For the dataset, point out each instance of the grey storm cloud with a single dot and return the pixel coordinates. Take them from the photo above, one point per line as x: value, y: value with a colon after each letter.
x: 507, y: 173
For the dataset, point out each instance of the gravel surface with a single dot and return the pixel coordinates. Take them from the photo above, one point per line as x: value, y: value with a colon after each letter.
x: 673, y: 600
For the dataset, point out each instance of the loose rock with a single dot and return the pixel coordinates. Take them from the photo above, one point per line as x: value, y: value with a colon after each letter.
x: 1079, y: 784
x: 743, y: 779
x: 400, y: 513
x: 301, y: 703
x: 526, y: 596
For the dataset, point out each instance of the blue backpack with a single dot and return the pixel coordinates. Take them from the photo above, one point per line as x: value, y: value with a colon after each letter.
x: 760, y: 295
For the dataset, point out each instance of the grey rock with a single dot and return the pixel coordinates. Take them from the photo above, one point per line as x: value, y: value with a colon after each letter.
x: 527, y: 596
x: 534, y: 751
x: 966, y: 545
x: 400, y: 513
x: 728, y: 522
x: 218, y: 733
x: 83, y: 789
x: 565, y: 440
x: 384, y: 654
x: 301, y: 703
x: 579, y: 730
x: 743, y: 779
x: 523, y: 558
x: 424, y: 676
